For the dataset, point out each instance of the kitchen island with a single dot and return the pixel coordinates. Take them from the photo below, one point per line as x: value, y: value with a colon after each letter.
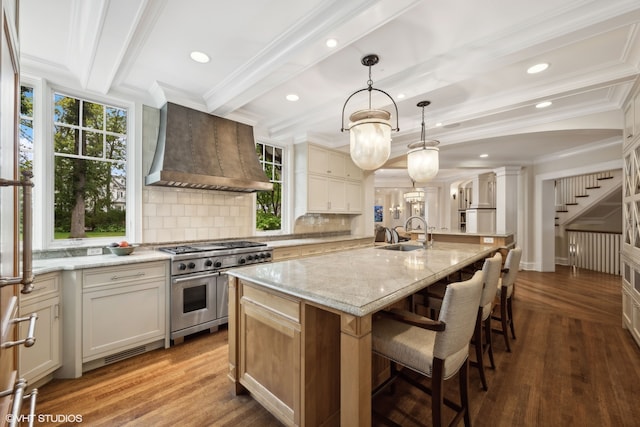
x: 300, y: 330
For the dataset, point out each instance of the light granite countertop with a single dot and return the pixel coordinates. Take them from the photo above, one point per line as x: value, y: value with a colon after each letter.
x: 143, y: 254
x: 43, y: 266
x: 363, y: 281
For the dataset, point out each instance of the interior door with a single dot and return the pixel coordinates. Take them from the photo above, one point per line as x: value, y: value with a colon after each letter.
x: 9, y: 214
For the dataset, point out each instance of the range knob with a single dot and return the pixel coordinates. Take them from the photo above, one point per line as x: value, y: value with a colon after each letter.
x: 208, y: 263
x: 192, y: 265
x: 250, y: 257
x: 268, y: 255
x: 182, y: 266
x: 262, y: 255
x: 242, y: 261
x: 217, y: 264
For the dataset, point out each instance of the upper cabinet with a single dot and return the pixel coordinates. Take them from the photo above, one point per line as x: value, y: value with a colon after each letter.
x: 326, y: 181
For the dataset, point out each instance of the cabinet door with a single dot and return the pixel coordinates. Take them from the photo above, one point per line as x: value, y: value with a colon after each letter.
x: 270, y: 349
x: 318, y: 160
x: 351, y: 170
x: 336, y: 165
x: 45, y: 355
x: 117, y: 319
x: 318, y: 194
x: 337, y: 196
x: 353, y: 195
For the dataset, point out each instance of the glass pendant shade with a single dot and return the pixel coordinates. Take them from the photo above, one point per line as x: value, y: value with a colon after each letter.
x: 423, y: 162
x: 370, y: 138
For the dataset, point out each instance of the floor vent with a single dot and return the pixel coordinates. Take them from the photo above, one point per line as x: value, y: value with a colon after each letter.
x: 125, y: 354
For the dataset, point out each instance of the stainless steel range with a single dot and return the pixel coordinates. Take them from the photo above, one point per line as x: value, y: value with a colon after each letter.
x: 199, y: 285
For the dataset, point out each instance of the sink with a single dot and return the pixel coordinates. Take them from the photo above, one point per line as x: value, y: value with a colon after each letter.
x: 402, y: 248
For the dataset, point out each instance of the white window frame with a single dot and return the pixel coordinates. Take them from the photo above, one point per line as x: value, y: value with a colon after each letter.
x: 286, y: 208
x: 43, y: 167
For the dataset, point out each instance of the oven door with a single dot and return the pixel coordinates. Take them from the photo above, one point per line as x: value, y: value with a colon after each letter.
x: 193, y: 300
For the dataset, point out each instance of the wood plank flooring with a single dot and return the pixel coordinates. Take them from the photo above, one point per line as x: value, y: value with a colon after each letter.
x: 572, y: 364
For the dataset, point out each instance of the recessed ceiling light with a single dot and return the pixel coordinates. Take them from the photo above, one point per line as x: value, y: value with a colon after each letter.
x: 438, y: 124
x: 200, y: 57
x: 332, y: 42
x: 484, y: 155
x: 543, y: 104
x: 537, y: 68
x: 401, y: 95
x: 292, y: 97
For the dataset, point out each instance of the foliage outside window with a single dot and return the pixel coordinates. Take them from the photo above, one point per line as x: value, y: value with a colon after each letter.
x: 269, y: 203
x: 26, y: 128
x: 90, y: 142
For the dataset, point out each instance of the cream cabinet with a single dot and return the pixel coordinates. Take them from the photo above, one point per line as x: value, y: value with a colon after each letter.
x: 326, y: 195
x: 123, y: 307
x: 326, y: 181
x: 631, y: 217
x: 38, y: 362
x: 326, y: 162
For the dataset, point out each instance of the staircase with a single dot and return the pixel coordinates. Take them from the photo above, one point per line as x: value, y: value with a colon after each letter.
x: 576, y: 194
x: 586, y: 208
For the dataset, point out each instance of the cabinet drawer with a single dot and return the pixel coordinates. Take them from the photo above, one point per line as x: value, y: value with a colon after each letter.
x: 280, y: 254
x: 44, y: 286
x: 277, y: 304
x: 125, y: 274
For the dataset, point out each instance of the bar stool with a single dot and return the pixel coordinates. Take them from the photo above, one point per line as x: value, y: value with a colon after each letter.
x: 435, y: 349
x: 505, y: 293
x: 482, y: 341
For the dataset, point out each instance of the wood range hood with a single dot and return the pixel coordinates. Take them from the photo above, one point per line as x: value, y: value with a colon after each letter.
x: 202, y: 151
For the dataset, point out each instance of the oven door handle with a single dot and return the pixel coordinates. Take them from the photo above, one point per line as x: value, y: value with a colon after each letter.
x: 199, y: 276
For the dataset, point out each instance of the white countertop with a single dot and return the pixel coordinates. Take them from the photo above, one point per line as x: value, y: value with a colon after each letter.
x: 363, y: 281
x: 42, y: 266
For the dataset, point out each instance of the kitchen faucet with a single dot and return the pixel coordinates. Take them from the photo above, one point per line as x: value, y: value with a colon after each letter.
x: 428, y: 243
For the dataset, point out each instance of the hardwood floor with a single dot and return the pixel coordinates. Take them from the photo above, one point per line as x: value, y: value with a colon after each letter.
x: 572, y: 364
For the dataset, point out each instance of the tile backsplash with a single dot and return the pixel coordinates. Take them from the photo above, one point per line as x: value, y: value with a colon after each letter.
x: 181, y: 214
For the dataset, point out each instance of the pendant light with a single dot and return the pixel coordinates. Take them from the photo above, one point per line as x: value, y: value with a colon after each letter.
x: 422, y: 158
x: 414, y: 196
x: 370, y: 130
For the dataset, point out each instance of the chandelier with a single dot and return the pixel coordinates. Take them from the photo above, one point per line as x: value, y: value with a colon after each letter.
x: 414, y: 196
x: 422, y: 158
x: 370, y: 130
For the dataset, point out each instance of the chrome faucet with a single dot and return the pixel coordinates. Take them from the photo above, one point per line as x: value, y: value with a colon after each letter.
x: 428, y: 242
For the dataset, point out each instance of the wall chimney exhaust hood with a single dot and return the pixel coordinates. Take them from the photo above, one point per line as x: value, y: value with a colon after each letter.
x: 202, y: 151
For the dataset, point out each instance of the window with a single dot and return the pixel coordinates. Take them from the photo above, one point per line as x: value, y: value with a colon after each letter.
x: 26, y: 128
x: 90, y: 148
x: 269, y: 203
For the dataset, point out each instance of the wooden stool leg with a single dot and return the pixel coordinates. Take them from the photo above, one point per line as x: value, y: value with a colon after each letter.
x: 464, y: 392
x: 437, y: 392
x: 480, y: 350
x: 510, y: 311
x: 489, y: 345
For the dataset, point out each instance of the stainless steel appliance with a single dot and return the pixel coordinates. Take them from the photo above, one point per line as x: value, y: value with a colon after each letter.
x: 199, y: 286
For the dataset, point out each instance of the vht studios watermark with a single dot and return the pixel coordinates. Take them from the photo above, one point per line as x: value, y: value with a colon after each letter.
x: 45, y: 418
